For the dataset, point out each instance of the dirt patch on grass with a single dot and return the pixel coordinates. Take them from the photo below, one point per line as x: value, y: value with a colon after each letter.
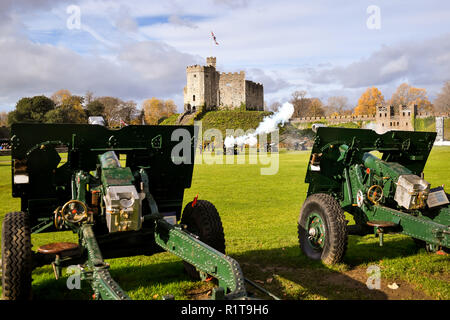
x: 302, y: 283
x: 403, y: 291
x: 201, y: 293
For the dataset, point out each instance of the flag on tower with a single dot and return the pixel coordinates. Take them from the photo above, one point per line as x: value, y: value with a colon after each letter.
x: 214, y: 38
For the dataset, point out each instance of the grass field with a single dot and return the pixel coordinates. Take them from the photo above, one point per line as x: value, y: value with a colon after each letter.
x: 259, y: 214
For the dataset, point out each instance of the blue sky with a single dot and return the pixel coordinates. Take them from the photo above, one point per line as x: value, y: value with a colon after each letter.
x: 137, y: 50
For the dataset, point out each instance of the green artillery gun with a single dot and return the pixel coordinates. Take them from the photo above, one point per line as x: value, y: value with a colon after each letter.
x: 115, y: 210
x: 387, y: 194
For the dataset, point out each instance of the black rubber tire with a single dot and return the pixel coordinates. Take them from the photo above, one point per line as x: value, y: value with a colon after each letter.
x: 16, y: 257
x: 335, y: 225
x: 204, y: 221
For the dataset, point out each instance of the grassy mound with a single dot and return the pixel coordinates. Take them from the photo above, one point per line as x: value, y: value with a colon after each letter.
x: 223, y: 120
x: 170, y: 121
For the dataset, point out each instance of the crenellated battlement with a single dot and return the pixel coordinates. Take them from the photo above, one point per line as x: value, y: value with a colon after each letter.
x: 254, y: 84
x: 335, y: 119
x: 196, y: 68
x: 238, y: 75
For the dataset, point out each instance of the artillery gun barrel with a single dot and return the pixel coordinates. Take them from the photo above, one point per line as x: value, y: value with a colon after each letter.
x: 384, y: 169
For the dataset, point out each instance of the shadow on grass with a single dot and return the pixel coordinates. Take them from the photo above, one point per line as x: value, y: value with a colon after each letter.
x: 146, y: 279
x: 293, y: 275
x: 365, y: 250
x: 288, y: 273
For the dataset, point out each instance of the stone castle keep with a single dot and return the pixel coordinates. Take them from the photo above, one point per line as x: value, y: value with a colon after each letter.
x: 388, y: 119
x: 208, y: 88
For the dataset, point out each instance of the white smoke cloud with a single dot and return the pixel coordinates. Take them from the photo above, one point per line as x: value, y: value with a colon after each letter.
x: 268, y: 125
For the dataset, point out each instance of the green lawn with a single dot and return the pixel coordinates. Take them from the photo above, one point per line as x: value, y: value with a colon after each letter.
x: 259, y: 214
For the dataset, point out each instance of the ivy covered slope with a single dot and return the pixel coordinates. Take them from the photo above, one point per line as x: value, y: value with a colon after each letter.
x: 225, y: 119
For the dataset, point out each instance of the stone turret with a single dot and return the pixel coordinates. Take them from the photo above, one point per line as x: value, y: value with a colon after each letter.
x: 211, y: 61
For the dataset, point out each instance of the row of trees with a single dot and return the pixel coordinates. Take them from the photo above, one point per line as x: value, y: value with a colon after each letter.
x: 405, y: 94
x: 314, y: 107
x: 63, y: 107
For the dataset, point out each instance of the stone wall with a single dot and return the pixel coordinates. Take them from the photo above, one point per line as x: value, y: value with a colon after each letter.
x: 254, y: 96
x: 211, y: 86
x: 231, y: 89
x: 334, y: 119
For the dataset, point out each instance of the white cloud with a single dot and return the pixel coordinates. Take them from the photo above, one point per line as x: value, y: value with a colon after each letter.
x: 318, y: 46
x: 395, y: 66
x: 421, y: 63
x: 140, y: 71
x: 271, y: 82
x: 176, y: 20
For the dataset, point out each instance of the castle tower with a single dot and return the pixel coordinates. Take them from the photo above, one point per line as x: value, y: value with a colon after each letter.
x: 387, y: 118
x: 211, y: 61
x: 201, y: 86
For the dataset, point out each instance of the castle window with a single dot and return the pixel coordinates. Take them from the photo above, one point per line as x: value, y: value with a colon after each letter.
x: 398, y: 123
x: 409, y: 113
x: 381, y: 115
x: 403, y: 113
x: 385, y: 115
x: 382, y: 124
x: 406, y: 123
x: 193, y: 97
x: 195, y: 76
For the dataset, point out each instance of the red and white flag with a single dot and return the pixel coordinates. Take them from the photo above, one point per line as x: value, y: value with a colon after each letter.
x: 123, y: 123
x: 214, y: 38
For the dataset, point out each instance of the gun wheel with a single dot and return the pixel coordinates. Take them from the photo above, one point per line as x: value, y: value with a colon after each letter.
x: 203, y: 220
x: 16, y: 257
x: 322, y: 229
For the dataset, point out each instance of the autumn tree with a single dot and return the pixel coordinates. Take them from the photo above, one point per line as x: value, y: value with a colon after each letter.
x: 275, y: 106
x: 70, y: 110
x: 88, y: 97
x: 156, y: 109
x: 60, y: 95
x: 442, y: 101
x: 300, y: 103
x: 170, y: 108
x: 368, y: 102
x: 409, y: 95
x: 3, y: 119
x: 128, y: 112
x: 316, y: 108
x: 112, y: 106
x: 337, y: 105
